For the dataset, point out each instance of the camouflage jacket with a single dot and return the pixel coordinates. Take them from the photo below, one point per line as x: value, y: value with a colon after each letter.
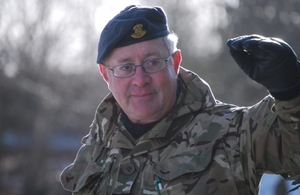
x: 203, y: 146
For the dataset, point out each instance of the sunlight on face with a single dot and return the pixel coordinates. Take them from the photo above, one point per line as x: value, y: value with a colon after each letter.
x: 144, y: 97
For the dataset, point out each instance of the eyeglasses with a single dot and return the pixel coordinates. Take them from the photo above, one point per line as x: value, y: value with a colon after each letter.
x: 149, y: 66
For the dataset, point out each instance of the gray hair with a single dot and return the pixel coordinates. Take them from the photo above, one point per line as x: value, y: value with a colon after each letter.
x: 171, y: 41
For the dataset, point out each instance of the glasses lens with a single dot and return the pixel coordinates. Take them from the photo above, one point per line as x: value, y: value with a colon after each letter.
x: 154, y: 65
x: 125, y: 70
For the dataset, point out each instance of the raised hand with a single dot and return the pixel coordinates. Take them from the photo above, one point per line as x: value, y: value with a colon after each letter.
x: 270, y: 62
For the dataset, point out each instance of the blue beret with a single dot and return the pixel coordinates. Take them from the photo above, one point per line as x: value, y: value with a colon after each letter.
x: 132, y: 25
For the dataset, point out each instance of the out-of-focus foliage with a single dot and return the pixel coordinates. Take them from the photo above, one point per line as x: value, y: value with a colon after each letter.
x: 49, y: 88
x: 50, y: 85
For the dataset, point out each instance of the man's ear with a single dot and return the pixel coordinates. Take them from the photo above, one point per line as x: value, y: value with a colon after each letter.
x: 177, y: 60
x: 103, y: 72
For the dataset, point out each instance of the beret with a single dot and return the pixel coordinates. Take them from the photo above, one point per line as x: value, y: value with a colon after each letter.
x: 132, y: 25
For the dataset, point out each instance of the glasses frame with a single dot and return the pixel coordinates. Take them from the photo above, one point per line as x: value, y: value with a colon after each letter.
x: 142, y: 65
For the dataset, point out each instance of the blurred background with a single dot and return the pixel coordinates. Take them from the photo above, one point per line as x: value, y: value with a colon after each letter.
x: 50, y: 85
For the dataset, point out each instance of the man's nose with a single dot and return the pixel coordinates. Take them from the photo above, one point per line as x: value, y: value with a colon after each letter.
x: 140, y: 77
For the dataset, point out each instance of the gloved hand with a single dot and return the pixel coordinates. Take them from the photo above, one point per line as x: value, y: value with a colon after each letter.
x: 270, y: 62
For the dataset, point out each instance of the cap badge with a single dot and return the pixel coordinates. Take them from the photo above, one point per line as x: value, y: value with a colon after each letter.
x: 138, y: 31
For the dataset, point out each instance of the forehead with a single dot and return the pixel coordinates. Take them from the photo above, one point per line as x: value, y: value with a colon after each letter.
x: 155, y: 47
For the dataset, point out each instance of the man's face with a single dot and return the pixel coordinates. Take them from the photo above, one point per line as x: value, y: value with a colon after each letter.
x: 144, y: 97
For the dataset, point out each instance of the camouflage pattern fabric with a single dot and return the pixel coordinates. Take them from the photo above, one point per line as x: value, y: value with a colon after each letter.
x: 203, y: 146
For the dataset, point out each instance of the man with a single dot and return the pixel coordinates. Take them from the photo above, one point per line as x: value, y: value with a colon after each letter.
x: 161, y: 131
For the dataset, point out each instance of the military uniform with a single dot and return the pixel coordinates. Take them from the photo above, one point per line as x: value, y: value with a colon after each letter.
x: 202, y: 146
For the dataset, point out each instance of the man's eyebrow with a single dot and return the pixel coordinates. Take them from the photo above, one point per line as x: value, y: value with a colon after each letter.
x: 124, y: 60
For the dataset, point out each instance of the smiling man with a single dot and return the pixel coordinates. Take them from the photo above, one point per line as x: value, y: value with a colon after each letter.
x: 161, y: 131
x: 145, y: 92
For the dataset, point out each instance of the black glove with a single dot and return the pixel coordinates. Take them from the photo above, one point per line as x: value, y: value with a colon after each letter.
x: 270, y: 62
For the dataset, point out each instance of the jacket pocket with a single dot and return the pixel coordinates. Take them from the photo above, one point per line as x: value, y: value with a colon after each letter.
x: 80, y: 175
x: 177, y: 172
x: 194, y: 159
x: 84, y: 173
